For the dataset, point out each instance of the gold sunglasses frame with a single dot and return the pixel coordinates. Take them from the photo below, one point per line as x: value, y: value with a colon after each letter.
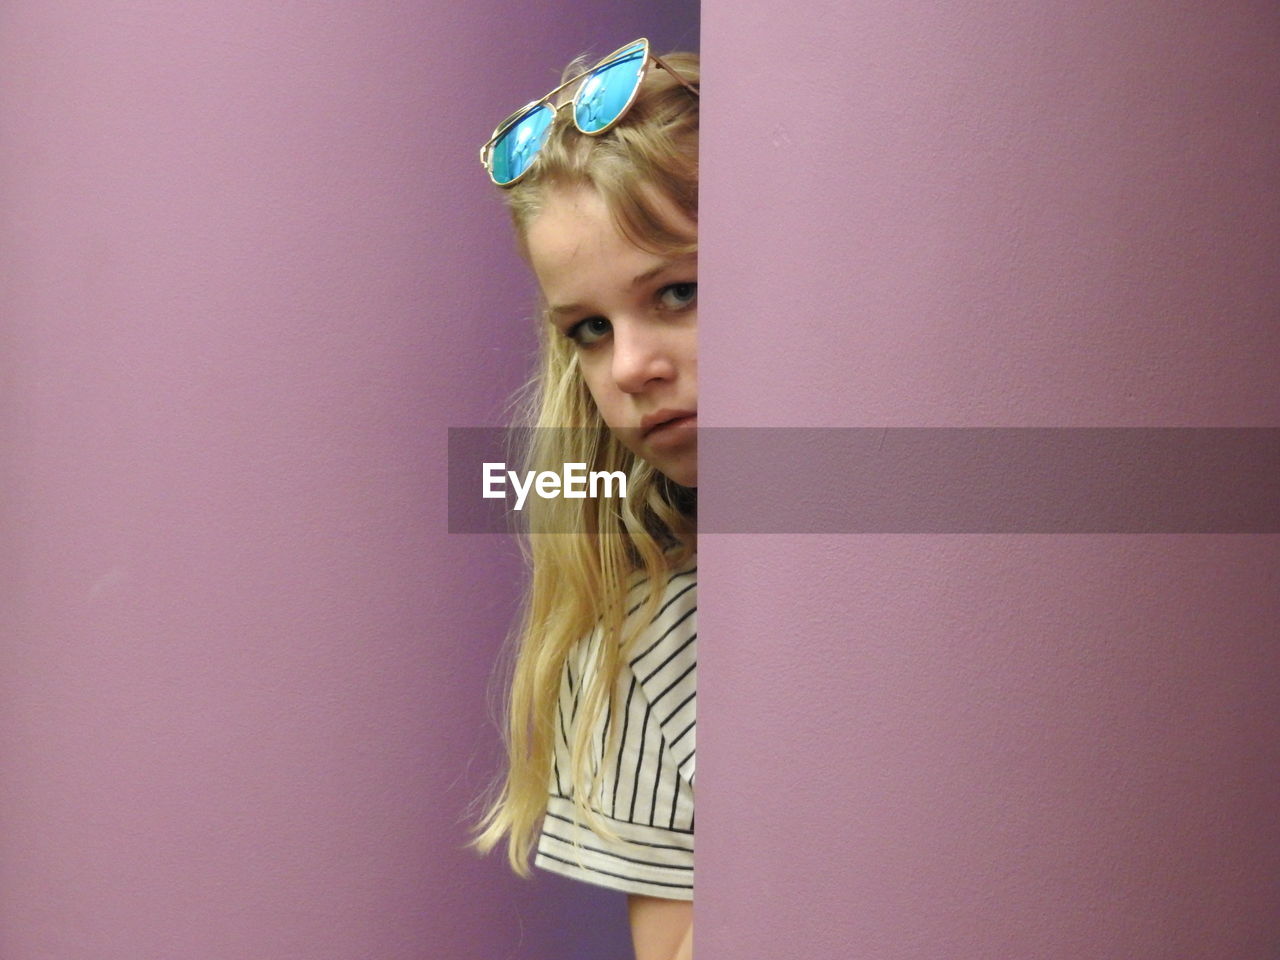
x: 486, y: 151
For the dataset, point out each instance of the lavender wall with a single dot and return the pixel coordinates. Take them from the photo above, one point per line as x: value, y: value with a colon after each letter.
x: 989, y: 214
x: 250, y: 273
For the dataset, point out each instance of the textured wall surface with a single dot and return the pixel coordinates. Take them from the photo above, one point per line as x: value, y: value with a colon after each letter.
x: 250, y: 273
x: 977, y: 746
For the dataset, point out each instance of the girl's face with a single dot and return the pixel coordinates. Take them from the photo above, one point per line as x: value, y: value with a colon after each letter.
x: 632, y: 317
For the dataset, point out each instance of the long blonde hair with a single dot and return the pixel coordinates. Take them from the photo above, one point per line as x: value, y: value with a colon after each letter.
x: 585, y: 555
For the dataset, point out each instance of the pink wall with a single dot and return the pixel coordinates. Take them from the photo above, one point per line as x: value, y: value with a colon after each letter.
x: 978, y: 214
x: 250, y: 273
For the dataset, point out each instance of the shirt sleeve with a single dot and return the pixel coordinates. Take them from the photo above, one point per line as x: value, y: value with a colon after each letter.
x: 646, y: 794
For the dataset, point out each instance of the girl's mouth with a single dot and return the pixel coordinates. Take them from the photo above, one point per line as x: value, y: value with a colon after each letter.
x: 673, y: 432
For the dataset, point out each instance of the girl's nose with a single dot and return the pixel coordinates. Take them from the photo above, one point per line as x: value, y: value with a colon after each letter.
x: 641, y: 354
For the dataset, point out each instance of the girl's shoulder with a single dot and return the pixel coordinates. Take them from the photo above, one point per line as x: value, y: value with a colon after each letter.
x: 685, y: 572
x: 676, y: 583
x: 675, y: 615
x: 674, y: 624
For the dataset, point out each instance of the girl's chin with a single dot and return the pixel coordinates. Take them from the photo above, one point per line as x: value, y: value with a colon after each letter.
x: 677, y: 466
x: 683, y: 475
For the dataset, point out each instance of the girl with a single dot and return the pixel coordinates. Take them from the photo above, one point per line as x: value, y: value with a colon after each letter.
x: 602, y: 188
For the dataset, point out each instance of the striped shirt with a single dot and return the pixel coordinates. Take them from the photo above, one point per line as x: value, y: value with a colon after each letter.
x: 646, y: 794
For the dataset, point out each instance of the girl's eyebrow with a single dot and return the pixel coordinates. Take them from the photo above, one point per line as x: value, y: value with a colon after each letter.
x: 636, y: 282
x: 567, y: 308
x: 665, y: 264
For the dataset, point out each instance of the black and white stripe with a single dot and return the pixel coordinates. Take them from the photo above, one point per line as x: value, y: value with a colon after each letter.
x: 646, y: 794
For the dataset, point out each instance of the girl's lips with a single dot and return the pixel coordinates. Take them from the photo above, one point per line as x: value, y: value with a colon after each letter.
x: 653, y: 420
x: 673, y: 432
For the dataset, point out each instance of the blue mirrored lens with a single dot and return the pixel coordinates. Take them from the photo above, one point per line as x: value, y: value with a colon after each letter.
x: 607, y: 90
x: 515, y: 150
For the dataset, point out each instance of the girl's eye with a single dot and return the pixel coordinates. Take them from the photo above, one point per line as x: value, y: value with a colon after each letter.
x: 679, y: 296
x: 586, y: 332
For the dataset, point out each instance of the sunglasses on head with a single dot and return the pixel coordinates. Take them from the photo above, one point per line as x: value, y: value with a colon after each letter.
x: 607, y: 92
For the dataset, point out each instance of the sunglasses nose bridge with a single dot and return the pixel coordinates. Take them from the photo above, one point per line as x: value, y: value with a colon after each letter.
x: 600, y: 99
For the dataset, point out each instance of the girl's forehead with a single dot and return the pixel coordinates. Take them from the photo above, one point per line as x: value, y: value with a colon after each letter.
x: 575, y: 233
x: 582, y: 260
